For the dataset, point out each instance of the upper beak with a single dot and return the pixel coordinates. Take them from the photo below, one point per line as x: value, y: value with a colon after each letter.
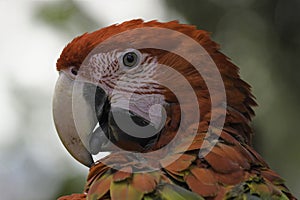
x: 73, y: 127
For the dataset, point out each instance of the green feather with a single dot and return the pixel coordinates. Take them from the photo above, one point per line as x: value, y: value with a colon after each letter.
x: 123, y: 190
x: 173, y: 192
x: 254, y: 189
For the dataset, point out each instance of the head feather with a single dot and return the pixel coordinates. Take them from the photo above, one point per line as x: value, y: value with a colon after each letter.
x: 239, y: 98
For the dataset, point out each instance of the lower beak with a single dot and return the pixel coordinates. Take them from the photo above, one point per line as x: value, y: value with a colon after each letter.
x: 73, y: 127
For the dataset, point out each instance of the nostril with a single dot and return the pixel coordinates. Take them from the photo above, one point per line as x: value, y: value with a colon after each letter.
x: 74, y: 71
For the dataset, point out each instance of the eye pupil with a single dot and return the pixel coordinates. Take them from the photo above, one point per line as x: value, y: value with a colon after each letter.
x: 130, y: 59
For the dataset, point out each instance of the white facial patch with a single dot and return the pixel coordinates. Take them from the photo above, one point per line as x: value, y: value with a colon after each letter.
x: 134, y: 89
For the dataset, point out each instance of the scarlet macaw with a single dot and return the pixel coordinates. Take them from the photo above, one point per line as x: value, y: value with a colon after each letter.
x: 145, y: 73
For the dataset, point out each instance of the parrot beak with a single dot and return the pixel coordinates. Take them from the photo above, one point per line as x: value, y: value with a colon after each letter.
x: 78, y: 106
x: 72, y: 135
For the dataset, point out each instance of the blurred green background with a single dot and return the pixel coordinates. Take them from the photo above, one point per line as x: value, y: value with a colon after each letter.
x: 261, y: 36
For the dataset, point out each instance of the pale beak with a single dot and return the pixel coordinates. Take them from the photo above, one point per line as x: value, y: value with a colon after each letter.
x: 73, y: 133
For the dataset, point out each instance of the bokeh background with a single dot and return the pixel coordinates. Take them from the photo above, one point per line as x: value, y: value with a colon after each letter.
x: 261, y: 36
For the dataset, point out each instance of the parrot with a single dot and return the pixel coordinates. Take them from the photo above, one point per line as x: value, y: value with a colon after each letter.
x: 170, y: 110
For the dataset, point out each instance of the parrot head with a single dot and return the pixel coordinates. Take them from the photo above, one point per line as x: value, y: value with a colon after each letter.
x: 117, y: 88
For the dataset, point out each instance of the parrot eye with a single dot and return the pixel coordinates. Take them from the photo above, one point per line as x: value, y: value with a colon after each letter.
x: 131, y: 58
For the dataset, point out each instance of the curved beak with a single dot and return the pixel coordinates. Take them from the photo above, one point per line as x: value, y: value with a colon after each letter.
x: 72, y: 136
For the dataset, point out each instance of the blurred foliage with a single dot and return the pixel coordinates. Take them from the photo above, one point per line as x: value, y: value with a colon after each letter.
x: 263, y: 38
x: 66, y: 16
x: 71, y: 184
